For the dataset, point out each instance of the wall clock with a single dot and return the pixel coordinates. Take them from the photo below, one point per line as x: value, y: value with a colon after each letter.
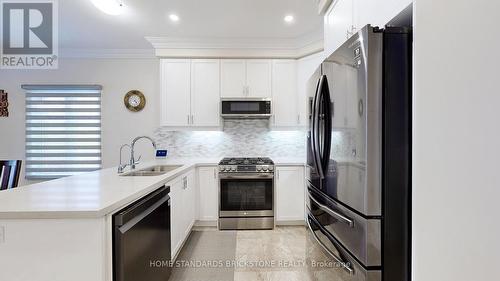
x: 134, y: 100
x: 4, y: 104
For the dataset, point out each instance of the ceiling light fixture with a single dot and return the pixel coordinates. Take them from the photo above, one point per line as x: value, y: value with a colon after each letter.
x: 174, y: 17
x: 288, y: 19
x: 110, y: 7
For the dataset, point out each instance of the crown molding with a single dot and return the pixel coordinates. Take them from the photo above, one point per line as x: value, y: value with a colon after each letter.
x: 290, y: 48
x: 107, y: 54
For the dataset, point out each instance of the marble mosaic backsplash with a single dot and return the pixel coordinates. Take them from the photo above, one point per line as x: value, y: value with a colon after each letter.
x: 242, y: 138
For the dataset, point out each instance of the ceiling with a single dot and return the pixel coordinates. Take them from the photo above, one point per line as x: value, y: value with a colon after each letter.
x: 83, y: 26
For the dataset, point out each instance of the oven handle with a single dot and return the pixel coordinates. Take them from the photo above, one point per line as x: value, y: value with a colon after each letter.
x: 330, y: 211
x: 335, y: 257
x: 246, y: 176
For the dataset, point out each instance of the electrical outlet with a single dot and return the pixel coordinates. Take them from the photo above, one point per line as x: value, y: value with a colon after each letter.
x: 2, y: 234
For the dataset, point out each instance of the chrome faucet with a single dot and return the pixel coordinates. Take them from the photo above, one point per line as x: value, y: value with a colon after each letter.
x: 132, y: 157
x: 122, y: 166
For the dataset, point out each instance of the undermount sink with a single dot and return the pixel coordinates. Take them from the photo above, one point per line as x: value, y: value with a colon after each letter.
x: 153, y: 171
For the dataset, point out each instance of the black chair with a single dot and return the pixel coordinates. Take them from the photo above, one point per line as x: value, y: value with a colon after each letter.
x: 9, y: 173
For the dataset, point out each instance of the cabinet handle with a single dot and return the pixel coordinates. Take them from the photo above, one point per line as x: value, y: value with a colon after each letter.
x: 215, y: 175
x: 192, y: 119
x: 298, y: 119
x: 188, y: 119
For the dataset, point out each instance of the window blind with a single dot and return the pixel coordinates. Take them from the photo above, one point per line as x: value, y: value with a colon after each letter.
x: 63, y: 130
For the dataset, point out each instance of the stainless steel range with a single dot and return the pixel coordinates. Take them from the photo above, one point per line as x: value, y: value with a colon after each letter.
x: 246, y: 193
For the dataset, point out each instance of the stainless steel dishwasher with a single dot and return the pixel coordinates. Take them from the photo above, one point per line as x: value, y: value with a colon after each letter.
x: 141, y: 239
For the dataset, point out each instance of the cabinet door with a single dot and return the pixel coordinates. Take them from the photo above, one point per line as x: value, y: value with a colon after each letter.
x: 259, y: 78
x: 176, y: 215
x: 290, y: 193
x: 285, y: 96
x: 189, y: 202
x: 338, y: 24
x: 377, y: 13
x: 208, y: 195
x: 175, y: 92
x: 205, y: 92
x: 233, y: 78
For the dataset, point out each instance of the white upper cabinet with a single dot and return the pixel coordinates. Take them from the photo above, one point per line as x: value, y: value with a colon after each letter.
x: 190, y: 92
x: 338, y: 24
x: 285, y: 97
x: 346, y: 17
x: 233, y: 78
x: 259, y: 78
x: 245, y: 78
x: 175, y: 92
x: 377, y: 13
x: 205, y: 93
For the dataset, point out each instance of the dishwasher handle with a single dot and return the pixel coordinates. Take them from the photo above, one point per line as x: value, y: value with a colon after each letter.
x: 142, y: 207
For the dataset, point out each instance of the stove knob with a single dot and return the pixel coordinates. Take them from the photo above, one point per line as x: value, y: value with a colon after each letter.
x: 264, y: 168
x: 271, y: 168
x: 259, y: 168
x: 233, y: 169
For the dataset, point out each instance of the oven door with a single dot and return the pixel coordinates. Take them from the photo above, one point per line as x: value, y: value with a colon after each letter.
x: 246, y: 195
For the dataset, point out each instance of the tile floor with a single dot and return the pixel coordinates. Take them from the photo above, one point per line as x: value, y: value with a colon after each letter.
x: 283, y: 254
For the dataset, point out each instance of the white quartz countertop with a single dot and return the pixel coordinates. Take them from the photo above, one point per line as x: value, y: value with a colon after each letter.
x: 95, y: 194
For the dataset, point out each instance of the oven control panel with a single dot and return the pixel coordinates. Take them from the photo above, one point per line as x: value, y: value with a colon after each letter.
x: 246, y: 168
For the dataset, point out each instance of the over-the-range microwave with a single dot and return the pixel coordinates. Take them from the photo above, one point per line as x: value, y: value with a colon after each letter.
x: 246, y: 107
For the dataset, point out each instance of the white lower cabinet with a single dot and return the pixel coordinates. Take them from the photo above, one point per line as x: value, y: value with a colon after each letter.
x: 208, y: 185
x: 182, y: 209
x: 290, y: 193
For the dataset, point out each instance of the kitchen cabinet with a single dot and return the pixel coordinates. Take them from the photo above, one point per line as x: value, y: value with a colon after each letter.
x: 338, y: 24
x: 346, y: 17
x: 175, y: 91
x: 190, y: 92
x: 285, y: 97
x: 259, y: 78
x: 233, y: 78
x: 183, y: 209
x: 205, y: 92
x: 245, y: 78
x: 377, y: 13
x: 290, y: 193
x: 208, y: 194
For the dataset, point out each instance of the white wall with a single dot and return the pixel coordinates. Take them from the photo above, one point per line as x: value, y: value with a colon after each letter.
x: 117, y: 76
x: 456, y: 149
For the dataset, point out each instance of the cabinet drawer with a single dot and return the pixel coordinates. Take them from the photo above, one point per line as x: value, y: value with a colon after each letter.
x: 360, y: 235
x: 348, y: 268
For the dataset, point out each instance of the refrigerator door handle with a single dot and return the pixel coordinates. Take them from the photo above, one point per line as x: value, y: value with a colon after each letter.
x: 314, y: 136
x: 317, y: 104
x: 331, y: 212
x: 328, y: 124
x: 344, y: 264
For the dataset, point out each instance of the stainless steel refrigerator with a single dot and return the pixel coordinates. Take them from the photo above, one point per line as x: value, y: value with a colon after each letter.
x: 359, y: 153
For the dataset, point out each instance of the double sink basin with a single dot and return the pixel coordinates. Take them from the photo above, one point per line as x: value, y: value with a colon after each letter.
x: 157, y: 170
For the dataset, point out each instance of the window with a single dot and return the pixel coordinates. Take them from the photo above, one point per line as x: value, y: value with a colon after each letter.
x: 63, y: 130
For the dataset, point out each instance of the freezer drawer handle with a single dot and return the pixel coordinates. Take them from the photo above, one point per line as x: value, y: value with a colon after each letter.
x: 330, y: 211
x: 335, y: 257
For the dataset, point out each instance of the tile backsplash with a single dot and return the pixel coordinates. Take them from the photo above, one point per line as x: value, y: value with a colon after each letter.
x: 245, y: 138
x: 239, y: 138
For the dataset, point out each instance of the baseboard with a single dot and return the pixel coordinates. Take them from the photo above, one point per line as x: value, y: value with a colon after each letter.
x: 199, y: 223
